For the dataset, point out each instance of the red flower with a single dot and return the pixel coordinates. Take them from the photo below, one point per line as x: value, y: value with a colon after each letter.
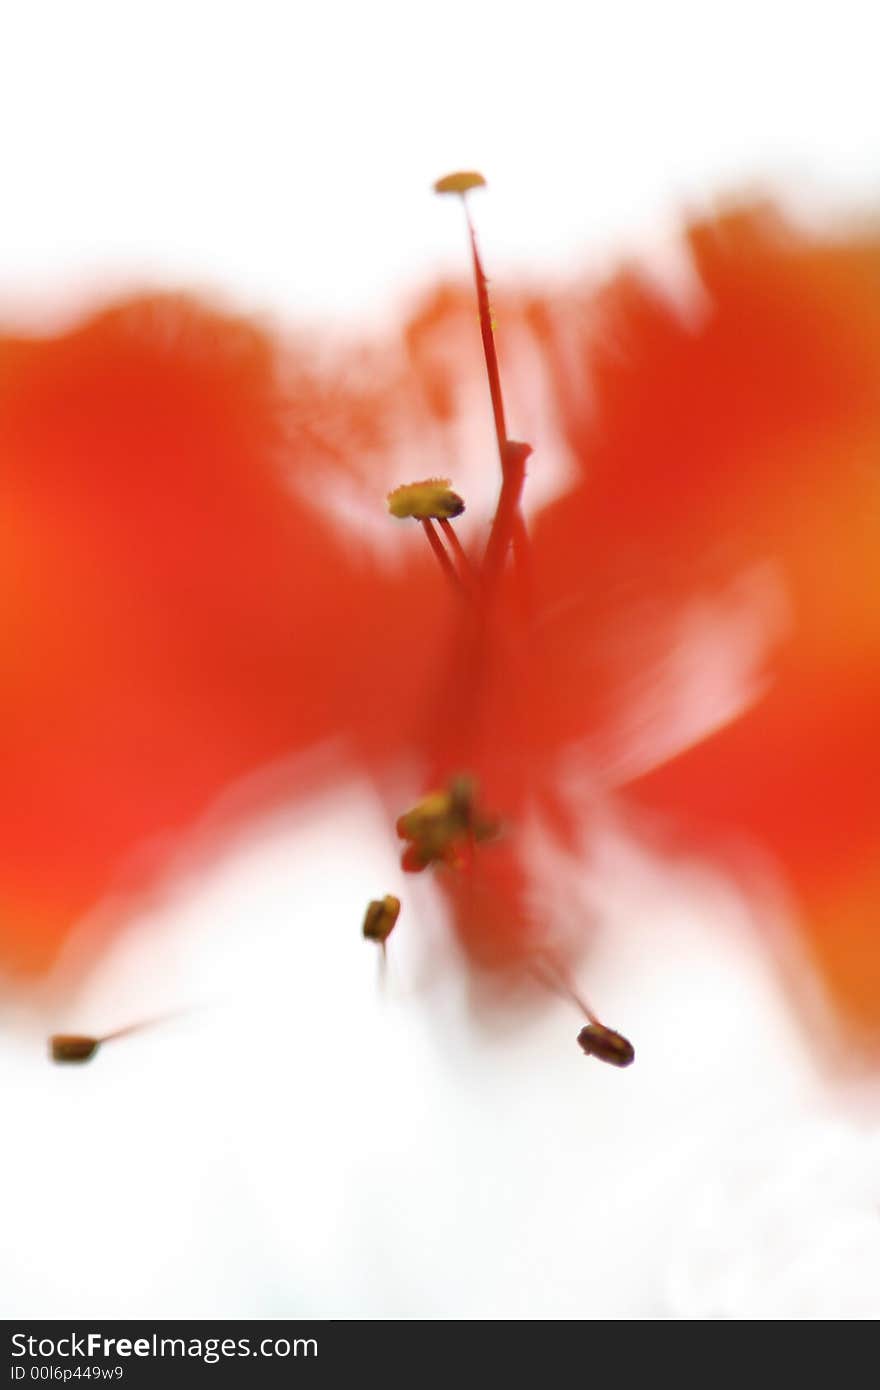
x: 188, y: 608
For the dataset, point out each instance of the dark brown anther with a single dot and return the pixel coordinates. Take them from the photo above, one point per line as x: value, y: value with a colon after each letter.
x: 380, y: 918
x: 608, y: 1046
x: 71, y: 1047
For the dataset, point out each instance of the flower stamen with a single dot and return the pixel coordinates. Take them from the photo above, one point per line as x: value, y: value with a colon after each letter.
x: 428, y: 501
x: 606, y: 1045
x: 380, y: 918
x: 508, y: 523
x: 79, y: 1047
x: 596, y: 1039
x: 444, y: 826
x: 462, y: 183
x: 431, y: 499
x: 442, y: 555
x: 508, y: 526
x: 72, y: 1047
x: 465, y: 569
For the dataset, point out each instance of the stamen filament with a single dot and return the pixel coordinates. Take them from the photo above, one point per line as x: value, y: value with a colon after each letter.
x: 78, y: 1047
x: 464, y: 565
x: 522, y: 562
x: 144, y: 1024
x: 596, y: 1039
x: 442, y: 556
x: 487, y: 334
x: 549, y: 973
x: 507, y: 523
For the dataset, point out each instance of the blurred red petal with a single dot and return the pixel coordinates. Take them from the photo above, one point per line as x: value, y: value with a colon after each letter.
x: 155, y: 563
x: 747, y: 437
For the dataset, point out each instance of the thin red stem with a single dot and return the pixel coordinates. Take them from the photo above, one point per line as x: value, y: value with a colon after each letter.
x: 522, y: 557
x: 458, y: 550
x: 145, y: 1024
x: 442, y: 556
x: 487, y: 334
x: 507, y: 523
x: 549, y: 973
x: 507, y: 520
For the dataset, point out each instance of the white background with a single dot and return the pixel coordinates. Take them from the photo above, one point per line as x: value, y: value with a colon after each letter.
x: 308, y: 1144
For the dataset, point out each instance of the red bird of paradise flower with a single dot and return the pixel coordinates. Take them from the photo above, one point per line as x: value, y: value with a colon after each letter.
x: 182, y: 609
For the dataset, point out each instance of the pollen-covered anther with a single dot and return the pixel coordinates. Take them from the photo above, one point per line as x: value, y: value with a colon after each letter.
x: 432, y: 499
x: 380, y: 918
x: 460, y: 182
x: 443, y: 825
x: 608, y: 1046
x: 72, y: 1047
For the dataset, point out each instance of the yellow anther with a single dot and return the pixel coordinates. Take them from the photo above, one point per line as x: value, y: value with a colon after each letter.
x: 608, y: 1046
x: 381, y: 917
x: 429, y: 500
x: 432, y: 812
x: 461, y: 182
x: 70, y: 1047
x: 437, y: 826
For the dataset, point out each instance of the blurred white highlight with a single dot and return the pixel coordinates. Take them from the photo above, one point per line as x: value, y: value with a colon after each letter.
x: 313, y: 1145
